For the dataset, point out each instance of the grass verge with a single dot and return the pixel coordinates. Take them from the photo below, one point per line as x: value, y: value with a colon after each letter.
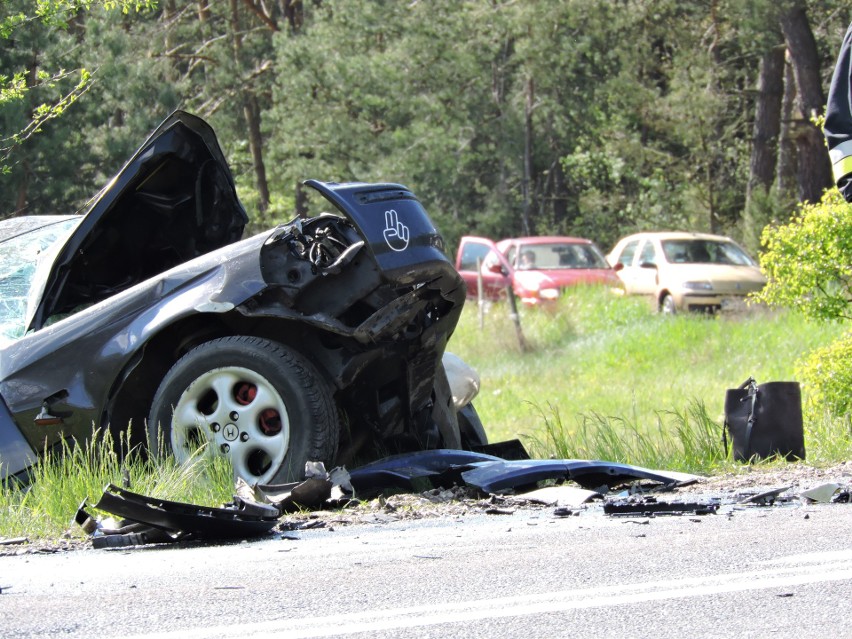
x: 605, y: 377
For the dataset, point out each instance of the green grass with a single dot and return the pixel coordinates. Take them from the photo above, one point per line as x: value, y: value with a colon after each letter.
x: 63, y: 481
x: 605, y: 377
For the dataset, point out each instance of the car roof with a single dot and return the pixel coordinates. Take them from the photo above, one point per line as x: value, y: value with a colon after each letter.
x: 544, y: 239
x: 675, y: 235
x: 16, y: 226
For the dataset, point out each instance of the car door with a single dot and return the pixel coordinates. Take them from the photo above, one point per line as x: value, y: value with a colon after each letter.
x: 645, y: 276
x: 627, y: 267
x: 478, y: 259
x: 16, y: 455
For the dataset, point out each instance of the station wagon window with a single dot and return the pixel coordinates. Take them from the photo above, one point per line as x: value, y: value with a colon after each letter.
x: 649, y: 254
x: 627, y: 253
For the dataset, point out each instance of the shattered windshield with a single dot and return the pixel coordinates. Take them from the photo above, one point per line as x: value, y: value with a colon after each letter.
x: 25, y: 245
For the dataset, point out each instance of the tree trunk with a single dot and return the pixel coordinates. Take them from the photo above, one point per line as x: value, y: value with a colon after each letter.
x: 23, y: 190
x: 715, y: 161
x: 251, y: 112
x: 529, y: 96
x: 813, y: 168
x: 168, y: 19
x: 767, y: 122
x: 301, y: 201
x: 203, y: 11
x: 785, y: 170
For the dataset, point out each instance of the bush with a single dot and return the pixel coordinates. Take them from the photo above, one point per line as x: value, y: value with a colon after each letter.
x: 808, y: 261
x: 827, y: 374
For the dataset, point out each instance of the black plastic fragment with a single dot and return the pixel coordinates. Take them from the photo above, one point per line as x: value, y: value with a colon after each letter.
x: 242, y: 520
x: 650, y: 507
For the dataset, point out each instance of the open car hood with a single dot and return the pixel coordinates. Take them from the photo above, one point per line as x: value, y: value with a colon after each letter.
x: 174, y: 200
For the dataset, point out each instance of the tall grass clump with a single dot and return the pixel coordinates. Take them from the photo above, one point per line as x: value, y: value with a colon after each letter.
x: 66, y: 477
x: 688, y: 441
x: 828, y: 437
x: 620, y: 382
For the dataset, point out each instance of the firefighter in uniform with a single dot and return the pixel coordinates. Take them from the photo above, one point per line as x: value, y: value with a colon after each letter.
x: 838, y: 119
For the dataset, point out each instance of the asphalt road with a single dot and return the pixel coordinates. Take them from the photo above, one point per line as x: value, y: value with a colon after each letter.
x: 781, y: 571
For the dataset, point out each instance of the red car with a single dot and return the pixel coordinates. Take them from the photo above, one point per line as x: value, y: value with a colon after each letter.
x: 538, y: 268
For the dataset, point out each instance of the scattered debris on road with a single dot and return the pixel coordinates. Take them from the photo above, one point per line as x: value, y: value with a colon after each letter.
x: 434, y: 483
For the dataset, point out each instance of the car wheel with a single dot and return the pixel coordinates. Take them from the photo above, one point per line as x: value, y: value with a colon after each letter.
x: 667, y: 305
x: 256, y: 402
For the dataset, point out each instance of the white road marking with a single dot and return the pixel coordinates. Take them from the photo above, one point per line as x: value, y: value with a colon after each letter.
x: 815, y: 569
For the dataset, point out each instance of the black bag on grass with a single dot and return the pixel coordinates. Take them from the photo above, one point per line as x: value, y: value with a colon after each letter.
x: 764, y: 420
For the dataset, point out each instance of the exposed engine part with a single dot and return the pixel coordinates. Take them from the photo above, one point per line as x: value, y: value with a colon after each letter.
x: 322, y: 241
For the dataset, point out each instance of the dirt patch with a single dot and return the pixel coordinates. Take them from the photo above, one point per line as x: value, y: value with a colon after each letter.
x: 456, y: 502
x: 755, y: 478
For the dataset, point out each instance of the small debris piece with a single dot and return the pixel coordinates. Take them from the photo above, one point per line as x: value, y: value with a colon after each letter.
x: 499, y: 511
x: 152, y: 520
x: 562, y: 512
x: 766, y: 498
x: 650, y: 507
x: 563, y: 495
x: 315, y: 469
x: 14, y: 541
x: 822, y: 493
x: 319, y: 490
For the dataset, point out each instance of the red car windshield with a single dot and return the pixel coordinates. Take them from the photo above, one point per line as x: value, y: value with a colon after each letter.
x: 557, y: 256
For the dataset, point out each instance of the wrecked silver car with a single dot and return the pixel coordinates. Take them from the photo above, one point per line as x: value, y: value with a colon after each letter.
x: 320, y: 339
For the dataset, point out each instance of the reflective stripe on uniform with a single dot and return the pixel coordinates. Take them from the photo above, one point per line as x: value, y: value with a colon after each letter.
x: 842, y: 168
x: 842, y: 150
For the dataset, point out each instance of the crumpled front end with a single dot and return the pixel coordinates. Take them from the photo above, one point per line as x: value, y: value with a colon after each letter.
x: 374, y: 300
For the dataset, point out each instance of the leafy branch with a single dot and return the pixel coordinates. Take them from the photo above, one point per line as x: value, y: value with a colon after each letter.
x: 15, y: 89
x: 52, y: 14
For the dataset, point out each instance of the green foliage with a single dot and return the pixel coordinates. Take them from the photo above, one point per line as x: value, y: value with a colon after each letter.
x: 808, y: 261
x: 826, y: 373
x: 595, y: 118
x: 45, y: 91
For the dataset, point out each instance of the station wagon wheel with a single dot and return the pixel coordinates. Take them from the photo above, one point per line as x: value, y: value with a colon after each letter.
x: 667, y: 305
x: 256, y: 402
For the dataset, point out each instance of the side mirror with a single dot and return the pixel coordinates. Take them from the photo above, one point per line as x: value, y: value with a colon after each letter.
x: 618, y: 267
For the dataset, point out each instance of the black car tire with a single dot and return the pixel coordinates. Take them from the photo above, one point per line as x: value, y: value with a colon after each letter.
x: 257, y: 402
x: 667, y: 305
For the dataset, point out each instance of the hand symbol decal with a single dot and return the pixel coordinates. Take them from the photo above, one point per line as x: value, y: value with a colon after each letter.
x: 396, y: 233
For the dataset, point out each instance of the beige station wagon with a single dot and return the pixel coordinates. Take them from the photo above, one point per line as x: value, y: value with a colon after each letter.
x: 685, y: 271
